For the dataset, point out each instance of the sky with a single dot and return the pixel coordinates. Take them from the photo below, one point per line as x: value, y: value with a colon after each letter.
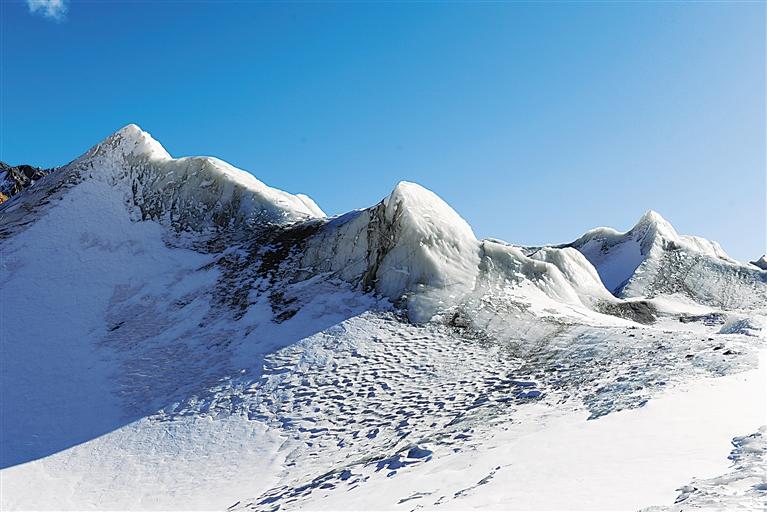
x: 535, y: 121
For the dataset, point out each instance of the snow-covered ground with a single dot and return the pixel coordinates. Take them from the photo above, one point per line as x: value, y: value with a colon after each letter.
x: 178, y: 335
x: 552, y: 459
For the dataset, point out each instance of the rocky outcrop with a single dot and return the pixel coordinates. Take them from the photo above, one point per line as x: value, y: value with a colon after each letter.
x: 761, y: 262
x: 14, y: 179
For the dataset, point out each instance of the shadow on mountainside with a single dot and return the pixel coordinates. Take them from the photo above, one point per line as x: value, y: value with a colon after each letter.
x: 104, y: 323
x: 158, y: 355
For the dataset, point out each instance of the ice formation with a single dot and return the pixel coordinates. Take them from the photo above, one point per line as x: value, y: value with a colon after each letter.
x: 411, y: 246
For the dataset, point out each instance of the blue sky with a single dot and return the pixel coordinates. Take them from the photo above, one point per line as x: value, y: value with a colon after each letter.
x: 534, y: 121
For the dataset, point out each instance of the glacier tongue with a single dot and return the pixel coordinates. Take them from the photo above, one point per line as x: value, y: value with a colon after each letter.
x: 411, y: 248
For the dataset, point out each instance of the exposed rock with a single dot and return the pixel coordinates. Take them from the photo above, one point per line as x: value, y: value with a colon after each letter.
x: 761, y: 262
x: 640, y: 311
x: 14, y: 179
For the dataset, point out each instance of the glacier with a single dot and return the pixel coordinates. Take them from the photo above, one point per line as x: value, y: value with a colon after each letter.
x: 179, y: 335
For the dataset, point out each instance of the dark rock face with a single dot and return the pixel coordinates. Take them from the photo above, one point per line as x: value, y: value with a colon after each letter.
x: 711, y: 319
x: 640, y: 311
x: 761, y: 263
x: 15, y: 179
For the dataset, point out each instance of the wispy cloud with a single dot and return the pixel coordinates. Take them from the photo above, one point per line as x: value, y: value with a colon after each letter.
x: 53, y: 9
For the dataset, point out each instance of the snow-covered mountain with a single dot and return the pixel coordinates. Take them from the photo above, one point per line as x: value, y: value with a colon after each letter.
x: 177, y: 334
x: 651, y: 259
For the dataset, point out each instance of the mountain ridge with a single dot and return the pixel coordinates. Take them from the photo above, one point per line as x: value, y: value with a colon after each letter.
x: 411, y: 248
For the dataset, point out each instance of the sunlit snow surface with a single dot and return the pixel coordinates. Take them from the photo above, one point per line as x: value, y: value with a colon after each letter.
x: 177, y: 335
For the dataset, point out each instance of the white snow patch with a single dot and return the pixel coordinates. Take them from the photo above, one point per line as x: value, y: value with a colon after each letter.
x: 195, y: 464
x: 581, y: 275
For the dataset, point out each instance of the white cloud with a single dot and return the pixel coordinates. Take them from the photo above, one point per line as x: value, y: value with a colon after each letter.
x: 54, y: 9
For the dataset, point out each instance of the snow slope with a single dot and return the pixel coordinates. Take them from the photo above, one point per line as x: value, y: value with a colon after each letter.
x: 178, y: 335
x: 61, y: 278
x: 621, y: 462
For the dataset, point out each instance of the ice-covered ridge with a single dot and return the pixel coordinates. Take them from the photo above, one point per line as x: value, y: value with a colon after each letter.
x: 652, y: 259
x: 412, y: 248
x: 651, y: 231
x: 617, y: 255
x: 190, y: 192
x: 415, y: 250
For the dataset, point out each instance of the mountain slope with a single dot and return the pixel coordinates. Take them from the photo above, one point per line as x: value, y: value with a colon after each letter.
x: 179, y: 335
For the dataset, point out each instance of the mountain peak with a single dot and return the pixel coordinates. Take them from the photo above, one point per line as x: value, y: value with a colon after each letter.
x: 653, y: 217
x: 412, y: 192
x: 422, y: 209
x: 655, y: 220
x: 132, y: 140
x: 130, y: 130
x: 127, y: 143
x: 189, y: 192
